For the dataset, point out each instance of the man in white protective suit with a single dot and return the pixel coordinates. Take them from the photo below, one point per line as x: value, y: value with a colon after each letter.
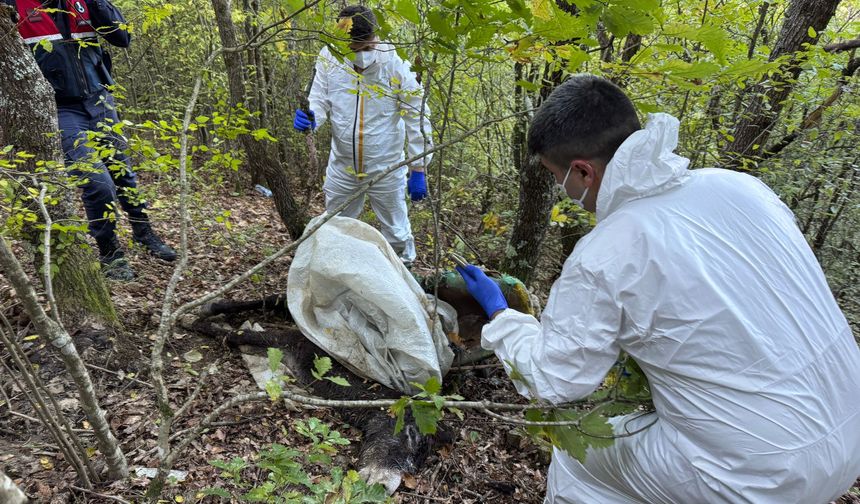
x: 375, y: 105
x: 705, y: 280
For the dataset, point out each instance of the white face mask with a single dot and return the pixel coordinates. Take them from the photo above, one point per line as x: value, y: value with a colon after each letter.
x: 364, y: 59
x: 563, y: 191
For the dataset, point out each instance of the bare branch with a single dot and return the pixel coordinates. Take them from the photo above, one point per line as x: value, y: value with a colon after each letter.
x: 60, y: 339
x: 842, y: 46
x: 46, y: 264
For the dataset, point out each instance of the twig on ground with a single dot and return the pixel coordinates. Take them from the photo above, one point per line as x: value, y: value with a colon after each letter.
x: 32, y: 419
x: 97, y: 494
x: 412, y: 494
x: 122, y: 376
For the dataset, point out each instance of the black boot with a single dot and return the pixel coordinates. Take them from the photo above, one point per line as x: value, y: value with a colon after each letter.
x: 112, y: 259
x: 145, y: 235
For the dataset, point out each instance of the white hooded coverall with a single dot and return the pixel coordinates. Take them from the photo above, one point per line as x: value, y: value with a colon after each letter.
x: 704, y: 278
x: 372, y: 115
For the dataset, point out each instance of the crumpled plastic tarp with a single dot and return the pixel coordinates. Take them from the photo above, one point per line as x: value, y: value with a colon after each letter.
x: 351, y: 295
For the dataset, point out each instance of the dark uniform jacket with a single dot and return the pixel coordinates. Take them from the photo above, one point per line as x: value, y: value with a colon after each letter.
x: 66, y: 43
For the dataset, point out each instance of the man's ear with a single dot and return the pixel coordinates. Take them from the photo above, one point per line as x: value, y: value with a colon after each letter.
x: 585, y: 170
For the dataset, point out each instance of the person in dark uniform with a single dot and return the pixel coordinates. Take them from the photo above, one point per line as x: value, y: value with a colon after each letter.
x: 64, y: 36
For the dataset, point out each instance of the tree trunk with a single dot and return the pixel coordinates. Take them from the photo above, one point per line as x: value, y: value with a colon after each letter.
x: 260, y: 160
x: 28, y: 121
x: 536, y: 193
x: 766, y: 100
x: 9, y: 493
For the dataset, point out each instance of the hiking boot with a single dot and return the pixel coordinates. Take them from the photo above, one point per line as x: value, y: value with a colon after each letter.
x: 145, y: 235
x: 112, y: 259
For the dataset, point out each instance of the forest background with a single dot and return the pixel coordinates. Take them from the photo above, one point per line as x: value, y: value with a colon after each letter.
x: 757, y: 87
x: 207, y: 93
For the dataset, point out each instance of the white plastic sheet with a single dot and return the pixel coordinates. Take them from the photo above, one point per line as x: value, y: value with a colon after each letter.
x: 350, y: 294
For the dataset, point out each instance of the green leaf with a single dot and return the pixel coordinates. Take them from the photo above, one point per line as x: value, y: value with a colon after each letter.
x: 481, y: 35
x: 340, y: 380
x: 426, y: 416
x: 273, y: 388
x: 811, y: 32
x: 542, y: 9
x: 322, y: 365
x: 46, y: 44
x: 714, y: 38
x: 622, y: 21
x: 594, y: 424
x: 217, y: 492
x: 262, y: 134
x: 529, y: 86
x: 408, y: 9
x: 441, y: 24
x: 433, y: 387
x: 398, y: 409
x: 561, y: 26
x: 519, y: 8
x: 684, y: 70
x: 275, y: 355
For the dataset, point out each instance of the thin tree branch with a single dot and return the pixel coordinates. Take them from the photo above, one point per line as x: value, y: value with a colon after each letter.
x: 46, y: 264
x: 842, y: 46
x: 97, y: 494
x: 60, y: 339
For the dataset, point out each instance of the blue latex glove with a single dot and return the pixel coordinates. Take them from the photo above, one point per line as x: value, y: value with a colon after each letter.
x: 485, y: 291
x: 417, y: 186
x: 304, y: 120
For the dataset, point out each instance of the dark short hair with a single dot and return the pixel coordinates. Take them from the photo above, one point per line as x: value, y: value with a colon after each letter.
x: 363, y: 22
x: 587, y: 117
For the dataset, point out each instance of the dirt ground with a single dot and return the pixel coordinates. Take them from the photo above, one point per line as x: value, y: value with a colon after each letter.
x: 487, y: 462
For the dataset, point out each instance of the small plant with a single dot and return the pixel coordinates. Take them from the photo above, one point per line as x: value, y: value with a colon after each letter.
x: 288, y: 477
x: 427, y: 407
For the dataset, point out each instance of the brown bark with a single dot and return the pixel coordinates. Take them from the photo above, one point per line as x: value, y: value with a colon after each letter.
x: 28, y: 121
x: 632, y: 45
x: 535, y: 199
x: 767, y: 98
x: 537, y: 196
x: 843, y: 46
x: 261, y: 161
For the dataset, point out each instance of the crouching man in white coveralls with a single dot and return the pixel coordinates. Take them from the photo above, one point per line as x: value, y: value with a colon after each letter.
x: 375, y: 104
x: 703, y: 277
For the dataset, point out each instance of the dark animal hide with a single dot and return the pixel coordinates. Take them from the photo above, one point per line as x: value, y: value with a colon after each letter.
x: 383, y: 456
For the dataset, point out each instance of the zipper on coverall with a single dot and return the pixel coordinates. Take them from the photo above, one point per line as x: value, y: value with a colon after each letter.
x: 358, y: 132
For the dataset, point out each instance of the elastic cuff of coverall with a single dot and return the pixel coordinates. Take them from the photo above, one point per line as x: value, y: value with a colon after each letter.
x: 489, y: 335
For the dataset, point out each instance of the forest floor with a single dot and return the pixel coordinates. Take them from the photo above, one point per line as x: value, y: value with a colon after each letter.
x: 487, y: 460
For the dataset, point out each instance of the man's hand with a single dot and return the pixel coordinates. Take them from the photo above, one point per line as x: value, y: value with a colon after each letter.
x: 417, y: 185
x: 483, y: 289
x: 304, y: 121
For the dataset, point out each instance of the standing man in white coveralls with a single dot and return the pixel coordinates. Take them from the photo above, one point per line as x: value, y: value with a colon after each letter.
x: 375, y: 105
x: 705, y: 280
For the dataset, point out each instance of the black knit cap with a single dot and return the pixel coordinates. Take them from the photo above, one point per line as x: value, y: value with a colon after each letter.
x: 363, y: 22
